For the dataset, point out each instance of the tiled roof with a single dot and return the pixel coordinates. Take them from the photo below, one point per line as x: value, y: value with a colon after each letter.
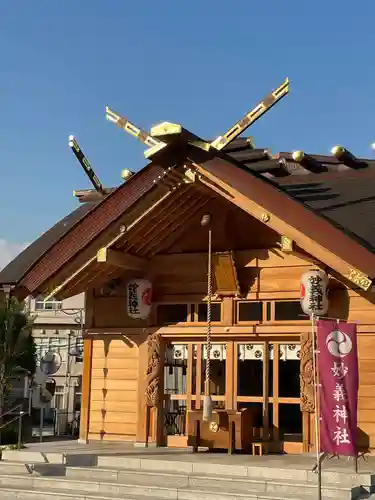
x: 14, y: 271
x: 344, y: 195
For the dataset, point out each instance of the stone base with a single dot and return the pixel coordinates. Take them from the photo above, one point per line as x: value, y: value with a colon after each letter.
x: 139, y: 444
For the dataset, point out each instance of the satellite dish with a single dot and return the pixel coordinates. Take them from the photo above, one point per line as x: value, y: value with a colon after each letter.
x: 50, y: 363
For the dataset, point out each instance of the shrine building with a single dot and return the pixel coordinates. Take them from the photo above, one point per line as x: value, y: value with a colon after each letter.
x: 140, y: 253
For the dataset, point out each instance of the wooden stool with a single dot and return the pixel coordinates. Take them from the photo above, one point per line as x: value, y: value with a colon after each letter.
x: 259, y: 448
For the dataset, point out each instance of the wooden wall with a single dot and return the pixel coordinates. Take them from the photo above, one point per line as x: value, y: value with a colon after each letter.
x: 263, y: 275
x: 114, y: 389
x: 366, y: 402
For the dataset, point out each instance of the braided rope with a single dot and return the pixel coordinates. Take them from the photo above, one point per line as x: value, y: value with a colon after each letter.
x: 209, y: 301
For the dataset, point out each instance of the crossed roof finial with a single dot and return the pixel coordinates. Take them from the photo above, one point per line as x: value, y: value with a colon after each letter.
x: 156, y: 139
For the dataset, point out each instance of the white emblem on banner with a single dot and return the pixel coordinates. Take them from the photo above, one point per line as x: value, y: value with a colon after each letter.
x: 339, y: 344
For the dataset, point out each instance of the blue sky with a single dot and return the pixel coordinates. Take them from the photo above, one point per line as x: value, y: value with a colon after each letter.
x: 202, y: 63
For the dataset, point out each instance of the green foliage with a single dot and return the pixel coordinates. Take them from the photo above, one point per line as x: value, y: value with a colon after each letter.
x: 17, y: 348
x: 9, y: 435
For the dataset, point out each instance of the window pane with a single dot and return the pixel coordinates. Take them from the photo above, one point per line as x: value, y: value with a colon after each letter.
x: 289, y: 311
x: 215, y: 312
x: 218, y: 369
x: 289, y: 371
x: 172, y: 313
x: 77, y: 399
x: 59, y: 401
x: 175, y: 369
x: 250, y: 370
x: 51, y: 305
x: 290, y: 422
x: 250, y: 311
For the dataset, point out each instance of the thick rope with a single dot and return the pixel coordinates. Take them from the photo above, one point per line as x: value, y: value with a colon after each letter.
x: 209, y: 301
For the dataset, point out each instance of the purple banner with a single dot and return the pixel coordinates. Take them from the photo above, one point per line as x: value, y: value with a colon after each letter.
x: 338, y: 391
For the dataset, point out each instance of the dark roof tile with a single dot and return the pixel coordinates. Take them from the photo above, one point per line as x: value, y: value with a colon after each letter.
x: 13, y: 272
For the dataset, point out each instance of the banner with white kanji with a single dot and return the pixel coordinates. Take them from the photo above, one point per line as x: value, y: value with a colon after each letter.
x: 338, y: 392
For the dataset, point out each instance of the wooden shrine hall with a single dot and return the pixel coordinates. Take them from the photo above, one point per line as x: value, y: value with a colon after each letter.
x: 211, y: 238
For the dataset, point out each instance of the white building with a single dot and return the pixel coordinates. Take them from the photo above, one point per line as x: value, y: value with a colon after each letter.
x: 57, y: 329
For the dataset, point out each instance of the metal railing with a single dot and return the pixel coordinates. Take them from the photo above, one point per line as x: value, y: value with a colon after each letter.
x: 65, y: 423
x: 18, y: 417
x: 175, y: 422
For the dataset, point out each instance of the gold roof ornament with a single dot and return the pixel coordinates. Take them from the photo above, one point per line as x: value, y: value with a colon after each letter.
x: 165, y: 128
x: 86, y: 165
x: 126, y: 174
x: 252, y: 116
x: 298, y: 156
x: 347, y: 157
x: 166, y: 132
x: 129, y: 127
x: 338, y: 151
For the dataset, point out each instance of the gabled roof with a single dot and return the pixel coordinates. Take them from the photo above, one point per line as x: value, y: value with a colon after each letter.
x: 13, y: 273
x: 328, y: 189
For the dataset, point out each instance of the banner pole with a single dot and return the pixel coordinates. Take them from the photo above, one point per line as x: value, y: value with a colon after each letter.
x: 316, y: 402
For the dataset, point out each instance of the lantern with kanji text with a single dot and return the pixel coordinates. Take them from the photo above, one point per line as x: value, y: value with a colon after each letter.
x: 314, y: 292
x: 139, y: 298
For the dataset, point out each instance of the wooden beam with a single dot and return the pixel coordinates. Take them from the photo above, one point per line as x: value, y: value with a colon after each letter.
x: 171, y: 224
x: 185, y: 223
x: 90, y: 195
x: 119, y: 259
x: 191, y: 331
x: 99, y: 273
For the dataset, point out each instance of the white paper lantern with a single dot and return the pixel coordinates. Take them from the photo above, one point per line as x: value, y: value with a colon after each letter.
x: 139, y: 298
x: 314, y: 290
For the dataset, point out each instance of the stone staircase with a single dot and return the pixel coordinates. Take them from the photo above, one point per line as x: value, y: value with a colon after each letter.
x: 38, y: 476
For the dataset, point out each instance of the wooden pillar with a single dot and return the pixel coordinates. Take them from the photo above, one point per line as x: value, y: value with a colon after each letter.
x: 275, y: 393
x: 154, y: 387
x: 189, y: 378
x: 198, y: 381
x: 86, y: 390
x: 141, y: 429
x: 266, y: 380
x: 229, y: 378
x: 307, y: 390
x: 228, y: 311
x: 89, y: 309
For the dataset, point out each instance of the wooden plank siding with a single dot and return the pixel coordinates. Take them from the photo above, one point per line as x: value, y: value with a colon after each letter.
x: 114, y: 390
x: 366, y: 401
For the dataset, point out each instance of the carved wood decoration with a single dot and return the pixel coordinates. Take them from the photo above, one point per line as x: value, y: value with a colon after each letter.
x: 154, y: 371
x: 225, y: 274
x: 307, y: 374
x: 112, y: 288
